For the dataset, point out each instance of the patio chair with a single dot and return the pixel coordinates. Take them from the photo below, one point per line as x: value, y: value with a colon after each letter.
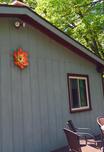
x: 100, y: 122
x: 74, y: 144
x: 84, y: 133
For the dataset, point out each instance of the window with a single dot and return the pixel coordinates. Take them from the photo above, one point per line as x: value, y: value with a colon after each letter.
x: 78, y: 89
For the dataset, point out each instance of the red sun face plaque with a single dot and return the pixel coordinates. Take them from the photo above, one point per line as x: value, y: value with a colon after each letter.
x: 21, y: 58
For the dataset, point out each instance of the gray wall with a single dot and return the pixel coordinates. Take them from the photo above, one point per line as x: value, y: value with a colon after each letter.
x: 34, y: 102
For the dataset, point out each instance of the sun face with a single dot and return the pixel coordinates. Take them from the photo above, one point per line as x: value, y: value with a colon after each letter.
x: 21, y: 58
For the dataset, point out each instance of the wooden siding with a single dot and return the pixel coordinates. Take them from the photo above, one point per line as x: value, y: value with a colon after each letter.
x: 34, y: 102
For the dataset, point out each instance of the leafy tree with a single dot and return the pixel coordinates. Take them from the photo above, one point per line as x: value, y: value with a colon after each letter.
x: 5, y: 1
x: 31, y: 3
x: 83, y: 20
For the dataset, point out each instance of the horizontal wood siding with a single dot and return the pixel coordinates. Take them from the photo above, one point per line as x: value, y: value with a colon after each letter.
x: 34, y: 104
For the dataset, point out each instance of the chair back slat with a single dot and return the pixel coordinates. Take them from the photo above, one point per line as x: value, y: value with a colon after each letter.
x: 71, y: 125
x: 73, y: 140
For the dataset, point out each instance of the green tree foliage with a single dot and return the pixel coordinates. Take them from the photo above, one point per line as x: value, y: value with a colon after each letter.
x: 82, y: 20
x: 31, y: 3
x: 5, y: 1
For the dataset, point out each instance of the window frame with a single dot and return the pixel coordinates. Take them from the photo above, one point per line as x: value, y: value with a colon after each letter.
x: 102, y: 75
x: 79, y: 77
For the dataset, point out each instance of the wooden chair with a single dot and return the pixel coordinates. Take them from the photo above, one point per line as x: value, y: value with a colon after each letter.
x: 100, y: 122
x: 74, y: 144
x: 73, y: 140
x: 84, y: 133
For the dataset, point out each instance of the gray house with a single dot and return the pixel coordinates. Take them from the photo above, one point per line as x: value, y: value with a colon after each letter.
x: 62, y: 81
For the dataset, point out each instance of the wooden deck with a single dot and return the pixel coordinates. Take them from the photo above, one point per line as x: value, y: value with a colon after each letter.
x: 90, y: 147
x: 86, y: 148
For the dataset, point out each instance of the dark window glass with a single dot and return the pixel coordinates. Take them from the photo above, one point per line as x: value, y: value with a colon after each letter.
x: 83, y: 96
x: 74, y: 93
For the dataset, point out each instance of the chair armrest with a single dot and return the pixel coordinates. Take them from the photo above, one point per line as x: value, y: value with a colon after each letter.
x: 83, y: 134
x: 85, y: 129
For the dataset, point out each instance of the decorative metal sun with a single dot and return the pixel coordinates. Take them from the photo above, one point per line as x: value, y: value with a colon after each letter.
x: 21, y: 58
